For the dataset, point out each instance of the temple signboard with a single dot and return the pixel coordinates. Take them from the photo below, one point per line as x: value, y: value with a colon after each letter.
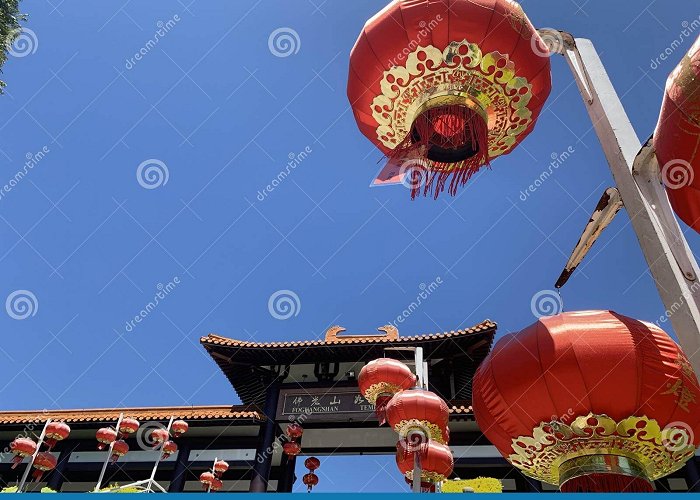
x: 324, y: 404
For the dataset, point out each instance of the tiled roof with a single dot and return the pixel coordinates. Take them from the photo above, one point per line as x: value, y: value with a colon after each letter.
x: 142, y: 414
x: 218, y: 340
x: 459, y: 408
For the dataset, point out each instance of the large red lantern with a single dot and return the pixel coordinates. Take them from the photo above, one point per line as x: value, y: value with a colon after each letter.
x: 159, y: 436
x: 206, y: 478
x: 128, y: 426
x: 419, y: 411
x: 436, y: 462
x: 21, y: 447
x: 312, y: 463
x: 677, y: 138
x: 310, y: 480
x: 291, y: 448
x: 220, y: 466
x: 179, y: 427
x: 169, y: 447
x: 294, y: 431
x: 447, y: 86
x: 56, y: 431
x: 105, y: 436
x: 590, y: 401
x: 380, y: 379
x: 119, y: 449
x: 44, y: 461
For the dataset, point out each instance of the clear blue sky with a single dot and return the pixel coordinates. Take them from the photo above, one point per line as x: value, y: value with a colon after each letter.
x: 212, y: 103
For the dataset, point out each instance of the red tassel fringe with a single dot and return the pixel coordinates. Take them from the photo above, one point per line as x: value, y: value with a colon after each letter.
x: 448, y: 127
x: 380, y: 408
x: 606, y: 483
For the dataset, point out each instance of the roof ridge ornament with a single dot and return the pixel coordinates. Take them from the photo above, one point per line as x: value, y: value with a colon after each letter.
x: 334, y: 333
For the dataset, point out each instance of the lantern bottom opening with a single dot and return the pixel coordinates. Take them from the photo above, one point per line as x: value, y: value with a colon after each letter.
x: 603, y: 473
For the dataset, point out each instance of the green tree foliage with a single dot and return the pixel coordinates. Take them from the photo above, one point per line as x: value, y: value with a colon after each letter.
x: 10, y: 18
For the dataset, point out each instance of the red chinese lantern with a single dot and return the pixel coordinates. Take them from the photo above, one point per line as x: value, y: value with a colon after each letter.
x: 380, y: 379
x: 294, y: 431
x: 312, y: 463
x: 169, y: 447
x: 20, y: 448
x: 44, y: 461
x: 310, y: 480
x: 56, y: 431
x: 206, y: 478
x: 590, y: 401
x: 220, y: 467
x: 128, y: 426
x: 119, y: 449
x: 105, y: 436
x: 179, y: 427
x: 677, y: 138
x: 418, y: 416
x: 158, y: 436
x: 291, y: 448
x: 217, y: 484
x: 436, y: 462
x: 447, y: 86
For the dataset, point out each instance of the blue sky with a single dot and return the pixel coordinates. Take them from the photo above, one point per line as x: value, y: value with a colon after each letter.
x: 212, y: 103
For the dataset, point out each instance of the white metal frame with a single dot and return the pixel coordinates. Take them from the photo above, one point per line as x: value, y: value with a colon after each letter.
x: 637, y: 176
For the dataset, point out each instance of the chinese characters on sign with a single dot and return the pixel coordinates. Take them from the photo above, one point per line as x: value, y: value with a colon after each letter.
x: 324, y: 403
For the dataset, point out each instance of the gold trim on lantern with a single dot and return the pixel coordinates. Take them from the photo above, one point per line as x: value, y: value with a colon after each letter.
x: 426, y: 476
x: 487, y: 82
x: 658, y: 452
x: 433, y: 431
x: 601, y: 464
x: 376, y: 390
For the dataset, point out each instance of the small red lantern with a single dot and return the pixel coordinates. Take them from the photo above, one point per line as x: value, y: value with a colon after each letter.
x: 21, y: 447
x: 294, y: 431
x: 470, y: 91
x: 43, y: 462
x: 312, y: 463
x: 119, y: 449
x: 420, y: 411
x: 56, y: 431
x: 169, y: 447
x: 158, y: 436
x: 105, y: 436
x: 310, y: 480
x: 291, y: 448
x: 590, y: 401
x: 380, y: 379
x: 128, y: 426
x: 436, y: 462
x: 220, y: 467
x: 206, y: 478
x: 677, y: 138
x: 179, y: 427
x: 217, y: 484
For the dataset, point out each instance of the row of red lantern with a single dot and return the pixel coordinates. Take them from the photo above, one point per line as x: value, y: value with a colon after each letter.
x: 160, y: 437
x: 211, y: 480
x: 311, y: 479
x: 44, y: 461
x: 292, y: 447
x: 420, y: 417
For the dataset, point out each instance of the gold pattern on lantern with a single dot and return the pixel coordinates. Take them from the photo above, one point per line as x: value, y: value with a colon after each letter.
x: 684, y: 396
x: 376, y: 390
x: 433, y: 431
x: 487, y: 82
x: 660, y: 452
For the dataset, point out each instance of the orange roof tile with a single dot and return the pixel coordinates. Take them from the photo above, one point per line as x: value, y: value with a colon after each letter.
x: 143, y: 414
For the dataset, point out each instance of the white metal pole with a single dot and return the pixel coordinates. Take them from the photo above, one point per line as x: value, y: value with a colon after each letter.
x: 31, y: 460
x: 160, y: 455
x: 417, y: 472
x: 418, y: 354
x: 671, y: 263
x: 109, y: 456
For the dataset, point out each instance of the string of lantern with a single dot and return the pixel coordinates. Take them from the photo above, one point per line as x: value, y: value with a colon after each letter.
x: 211, y: 479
